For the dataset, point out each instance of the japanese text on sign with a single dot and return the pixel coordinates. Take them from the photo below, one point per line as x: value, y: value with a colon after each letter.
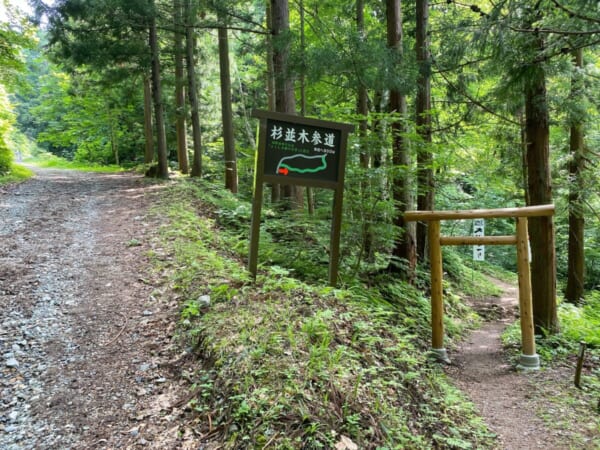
x: 302, y: 151
x: 479, y: 230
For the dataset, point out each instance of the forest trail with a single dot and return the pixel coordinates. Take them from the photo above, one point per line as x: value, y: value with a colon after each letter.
x: 86, y: 360
x: 506, y: 399
x: 84, y: 346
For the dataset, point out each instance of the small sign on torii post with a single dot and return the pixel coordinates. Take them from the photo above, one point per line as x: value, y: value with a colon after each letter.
x: 479, y: 230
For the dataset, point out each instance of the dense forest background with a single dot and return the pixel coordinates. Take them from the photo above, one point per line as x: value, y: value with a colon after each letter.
x: 457, y: 105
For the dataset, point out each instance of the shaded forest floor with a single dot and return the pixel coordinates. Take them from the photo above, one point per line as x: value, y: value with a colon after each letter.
x: 86, y: 331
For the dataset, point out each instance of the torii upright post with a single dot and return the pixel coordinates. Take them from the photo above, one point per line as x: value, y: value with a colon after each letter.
x: 437, y: 297
x: 529, y: 358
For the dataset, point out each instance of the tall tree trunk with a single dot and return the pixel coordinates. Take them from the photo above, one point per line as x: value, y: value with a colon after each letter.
x: 523, y: 144
x: 285, y: 100
x: 404, y: 244
x: 425, y: 196
x: 190, y: 46
x: 148, y: 133
x: 310, y: 195
x: 163, y: 168
x: 180, y: 126
x: 378, y: 127
x: 275, y: 188
x: 539, y: 183
x: 576, y: 262
x: 362, y: 109
x: 231, y: 176
x: 362, y: 100
x: 114, y: 145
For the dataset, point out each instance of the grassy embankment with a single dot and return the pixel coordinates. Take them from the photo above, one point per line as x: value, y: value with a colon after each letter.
x: 20, y: 172
x: 286, y: 363
x: 16, y: 174
x: 49, y: 161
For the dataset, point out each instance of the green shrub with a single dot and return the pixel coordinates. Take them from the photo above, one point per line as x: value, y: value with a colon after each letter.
x: 5, y: 158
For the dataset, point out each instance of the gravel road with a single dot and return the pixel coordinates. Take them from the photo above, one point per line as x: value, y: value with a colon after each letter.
x: 85, y: 346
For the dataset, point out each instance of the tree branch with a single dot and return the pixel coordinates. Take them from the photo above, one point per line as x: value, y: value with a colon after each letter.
x: 575, y: 14
x: 477, y: 102
x: 559, y: 32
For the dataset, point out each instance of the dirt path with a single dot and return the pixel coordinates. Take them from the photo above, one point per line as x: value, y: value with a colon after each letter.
x: 84, y: 347
x: 506, y: 399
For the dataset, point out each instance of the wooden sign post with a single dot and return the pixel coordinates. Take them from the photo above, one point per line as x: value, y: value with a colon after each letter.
x: 529, y: 358
x: 300, y: 151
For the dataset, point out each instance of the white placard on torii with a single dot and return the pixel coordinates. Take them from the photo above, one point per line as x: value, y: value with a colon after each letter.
x: 478, y: 230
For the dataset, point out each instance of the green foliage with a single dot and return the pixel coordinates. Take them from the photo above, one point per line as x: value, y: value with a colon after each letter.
x: 5, y: 158
x: 6, y: 120
x: 16, y: 174
x: 301, y: 365
x: 470, y: 280
x: 51, y: 161
x: 76, y: 117
x: 577, y: 324
x: 14, y: 37
x: 582, y: 323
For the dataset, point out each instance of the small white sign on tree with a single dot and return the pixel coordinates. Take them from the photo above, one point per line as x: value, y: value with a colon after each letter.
x: 478, y: 230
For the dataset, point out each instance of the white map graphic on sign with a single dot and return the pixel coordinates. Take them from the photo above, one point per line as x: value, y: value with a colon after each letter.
x: 286, y: 165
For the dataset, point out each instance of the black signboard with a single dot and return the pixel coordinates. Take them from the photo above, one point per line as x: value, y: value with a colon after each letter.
x: 302, y: 151
x: 299, y: 150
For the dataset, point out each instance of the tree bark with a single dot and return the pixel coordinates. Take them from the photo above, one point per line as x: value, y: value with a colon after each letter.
x: 114, y: 145
x: 275, y: 188
x: 231, y: 176
x: 425, y: 196
x: 576, y: 260
x: 362, y: 109
x: 310, y: 195
x: 148, y: 133
x: 404, y: 245
x: 539, y: 183
x: 163, y: 168
x: 190, y: 46
x: 285, y: 100
x: 180, y: 125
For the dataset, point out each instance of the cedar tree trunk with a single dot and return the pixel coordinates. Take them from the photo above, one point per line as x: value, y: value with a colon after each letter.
x: 231, y: 177
x: 576, y: 262
x: 539, y: 184
x: 425, y: 194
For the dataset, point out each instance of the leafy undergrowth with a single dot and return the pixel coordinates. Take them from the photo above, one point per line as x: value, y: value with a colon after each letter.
x: 16, y: 174
x: 287, y: 364
x: 49, y: 161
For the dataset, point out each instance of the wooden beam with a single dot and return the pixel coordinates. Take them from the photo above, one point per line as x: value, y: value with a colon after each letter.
x: 478, y: 240
x: 527, y: 211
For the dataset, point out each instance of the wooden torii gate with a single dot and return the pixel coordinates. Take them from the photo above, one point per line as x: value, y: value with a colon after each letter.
x: 529, y: 358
